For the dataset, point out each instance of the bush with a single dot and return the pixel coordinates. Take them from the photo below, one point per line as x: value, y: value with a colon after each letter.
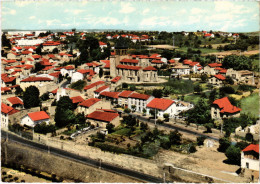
x: 79, y: 85
x: 3, y: 173
x: 200, y: 140
x: 124, y: 85
x: 224, y: 143
x: 159, y: 122
x: 127, y: 110
x: 244, y: 87
x: 249, y: 137
x: 233, y: 154
x: 227, y: 89
x: 192, y: 149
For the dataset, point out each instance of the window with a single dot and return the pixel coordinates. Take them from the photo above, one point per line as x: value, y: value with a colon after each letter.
x: 247, y: 165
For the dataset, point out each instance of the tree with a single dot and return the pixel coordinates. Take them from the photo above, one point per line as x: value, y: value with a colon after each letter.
x: 166, y: 117
x: 80, y: 118
x: 127, y: 110
x: 192, y: 148
x: 55, y: 51
x: 129, y: 121
x: 210, y: 46
x: 249, y: 137
x: 132, y: 87
x: 100, y: 73
x: 31, y: 97
x: 237, y: 62
x: 200, y: 140
x: 133, y: 107
x: 233, y: 154
x: 175, y: 137
x: 224, y: 143
x: 143, y: 126
x: 39, y: 49
x: 197, y: 89
x: 229, y: 80
x: 110, y: 127
x: 204, y: 77
x: 144, y: 111
x: 167, y: 54
x: 45, y: 96
x: 5, y: 41
x: 38, y: 67
x: 64, y: 114
x: 124, y: 85
x: 157, y: 93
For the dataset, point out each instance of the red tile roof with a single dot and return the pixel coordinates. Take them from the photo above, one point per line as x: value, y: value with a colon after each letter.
x: 102, y: 43
x: 252, y: 147
x: 149, y: 68
x: 129, y: 61
x: 187, y: 62
x: 110, y: 94
x: 40, y: 115
x: 129, y: 67
x: 4, y: 89
x: 89, y: 102
x: 107, y: 62
x: 34, y: 79
x: 55, y: 74
x: 101, y: 89
x: 28, y: 67
x: 69, y: 67
x: 26, y: 52
x: 77, y: 99
x: 54, y: 91
x: 15, y: 100
x: 116, y: 79
x: 36, y: 56
x: 213, y: 65
x: 7, y: 109
x: 125, y: 94
x: 157, y: 61
x: 160, y: 103
x: 93, y: 85
x: 220, y: 77
x: 47, y: 68
x: 225, y: 105
x: 139, y: 96
x: 223, y: 71
x: 102, y: 116
x: 171, y: 61
x: 89, y: 71
x: 8, y: 79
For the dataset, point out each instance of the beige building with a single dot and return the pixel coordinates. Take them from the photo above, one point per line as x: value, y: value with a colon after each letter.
x: 102, y: 118
x: 90, y: 105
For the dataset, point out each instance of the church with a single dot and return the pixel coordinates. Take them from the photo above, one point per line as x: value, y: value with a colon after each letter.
x: 131, y: 69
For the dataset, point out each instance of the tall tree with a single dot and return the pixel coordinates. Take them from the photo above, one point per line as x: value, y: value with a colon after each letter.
x: 5, y: 41
x: 64, y: 114
x: 31, y: 97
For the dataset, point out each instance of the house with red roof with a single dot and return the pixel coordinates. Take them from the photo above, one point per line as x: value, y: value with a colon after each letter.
x: 250, y: 158
x: 35, y: 81
x: 162, y: 106
x: 123, y: 98
x: 92, y: 87
x: 102, y: 45
x: 15, y: 102
x: 102, y: 118
x: 7, y: 81
x: 34, y: 118
x: 139, y: 101
x: 109, y: 96
x: 100, y: 90
x: 222, y: 108
x: 90, y: 105
x: 6, y: 111
x: 217, y: 80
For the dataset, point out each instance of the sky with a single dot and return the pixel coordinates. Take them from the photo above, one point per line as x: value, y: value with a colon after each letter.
x: 230, y: 16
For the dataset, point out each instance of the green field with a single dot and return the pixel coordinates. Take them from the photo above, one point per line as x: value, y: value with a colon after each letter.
x: 192, y: 98
x: 250, y: 104
x: 203, y: 50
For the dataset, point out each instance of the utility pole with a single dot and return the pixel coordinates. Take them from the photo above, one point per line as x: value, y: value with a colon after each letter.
x: 173, y: 41
x: 164, y: 177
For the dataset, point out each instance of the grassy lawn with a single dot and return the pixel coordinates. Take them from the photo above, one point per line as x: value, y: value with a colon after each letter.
x: 123, y: 131
x: 203, y: 50
x: 250, y: 104
x: 192, y: 98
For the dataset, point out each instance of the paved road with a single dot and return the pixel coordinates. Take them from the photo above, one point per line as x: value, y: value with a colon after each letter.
x: 174, y: 127
x: 84, y: 160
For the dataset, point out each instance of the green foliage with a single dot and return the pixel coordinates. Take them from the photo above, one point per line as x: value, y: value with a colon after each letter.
x: 244, y: 87
x: 79, y: 85
x: 45, y: 96
x: 224, y: 143
x: 237, y: 62
x: 31, y: 97
x: 110, y: 148
x: 130, y: 121
x: 249, y: 137
x: 100, y: 74
x: 233, y: 154
x: 179, y: 86
x: 175, y: 137
x: 227, y: 89
x: 110, y: 127
x: 197, y: 89
x: 64, y: 114
x: 127, y: 110
x: 229, y: 80
x: 143, y: 126
x: 43, y: 128
x: 204, y: 77
x: 200, y: 114
x: 124, y: 85
x: 192, y: 148
x: 157, y: 93
x: 167, y: 54
x: 200, y: 140
x: 80, y: 118
x: 5, y: 41
x: 38, y: 67
x: 242, y: 145
x: 132, y: 87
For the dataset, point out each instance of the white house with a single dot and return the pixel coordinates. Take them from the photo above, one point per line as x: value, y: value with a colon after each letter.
x: 182, y: 106
x: 100, y: 90
x: 34, y: 118
x: 67, y: 70
x: 139, y: 100
x: 76, y: 76
x: 181, y: 70
x: 162, y: 106
x: 250, y: 157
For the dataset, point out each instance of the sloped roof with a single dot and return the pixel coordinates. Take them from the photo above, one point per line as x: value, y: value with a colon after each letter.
x: 149, y: 68
x: 89, y: 102
x: 128, y: 67
x: 252, y: 147
x: 34, y: 79
x: 220, y: 77
x: 110, y: 94
x: 160, y: 103
x: 101, y: 89
x: 77, y: 99
x: 116, y: 79
x: 225, y: 105
x: 93, y: 85
x: 139, y: 96
x: 102, y: 116
x: 40, y: 115
x: 7, y: 109
x: 15, y: 100
x: 125, y: 94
